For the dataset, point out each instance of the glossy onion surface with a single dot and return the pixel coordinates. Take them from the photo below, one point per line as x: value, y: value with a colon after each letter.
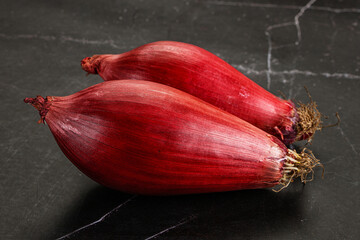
x: 204, y: 75
x: 148, y: 138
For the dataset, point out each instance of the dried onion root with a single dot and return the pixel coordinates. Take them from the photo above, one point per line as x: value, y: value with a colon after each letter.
x: 299, y: 165
x: 310, y: 120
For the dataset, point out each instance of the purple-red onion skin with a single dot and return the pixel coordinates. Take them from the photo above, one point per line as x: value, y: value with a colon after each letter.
x: 147, y: 138
x: 204, y: 75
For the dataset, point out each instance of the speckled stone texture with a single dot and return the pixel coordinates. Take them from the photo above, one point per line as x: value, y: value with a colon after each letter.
x: 282, y: 45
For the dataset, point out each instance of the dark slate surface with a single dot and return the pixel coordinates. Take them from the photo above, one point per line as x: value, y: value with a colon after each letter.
x: 282, y: 45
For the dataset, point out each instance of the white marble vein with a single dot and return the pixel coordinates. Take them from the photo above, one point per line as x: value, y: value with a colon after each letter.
x: 84, y: 41
x: 99, y: 220
x: 348, y: 141
x: 268, y: 59
x: 182, y: 222
x: 334, y: 159
x: 281, y: 6
x: 348, y: 179
x: 247, y: 70
x: 292, y: 72
x: 270, y: 47
x: 296, y: 19
x: 35, y: 180
x: 280, y: 25
x: 291, y: 93
x: 49, y: 196
x: 302, y: 9
x: 240, y: 67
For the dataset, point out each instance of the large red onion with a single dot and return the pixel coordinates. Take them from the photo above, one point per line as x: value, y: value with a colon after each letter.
x: 148, y: 138
x: 206, y: 76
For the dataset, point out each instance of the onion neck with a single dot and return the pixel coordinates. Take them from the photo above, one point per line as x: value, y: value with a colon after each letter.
x: 41, y: 104
x: 298, y: 165
x: 286, y: 130
x: 91, y: 64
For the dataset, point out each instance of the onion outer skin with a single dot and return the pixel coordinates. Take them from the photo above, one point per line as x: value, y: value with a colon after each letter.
x: 147, y: 138
x: 200, y: 73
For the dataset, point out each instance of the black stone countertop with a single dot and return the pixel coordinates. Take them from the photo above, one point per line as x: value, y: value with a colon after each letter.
x: 281, y: 45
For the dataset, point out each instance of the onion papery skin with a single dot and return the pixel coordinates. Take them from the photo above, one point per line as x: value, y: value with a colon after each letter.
x: 200, y: 73
x: 147, y: 138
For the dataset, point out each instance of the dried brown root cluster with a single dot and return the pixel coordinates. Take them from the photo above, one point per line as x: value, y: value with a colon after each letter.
x: 309, y: 120
x: 298, y: 165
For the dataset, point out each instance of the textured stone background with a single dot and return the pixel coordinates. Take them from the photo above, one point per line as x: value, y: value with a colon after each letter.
x: 282, y: 45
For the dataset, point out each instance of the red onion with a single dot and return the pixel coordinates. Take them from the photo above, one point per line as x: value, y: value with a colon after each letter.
x: 204, y: 75
x: 148, y: 138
